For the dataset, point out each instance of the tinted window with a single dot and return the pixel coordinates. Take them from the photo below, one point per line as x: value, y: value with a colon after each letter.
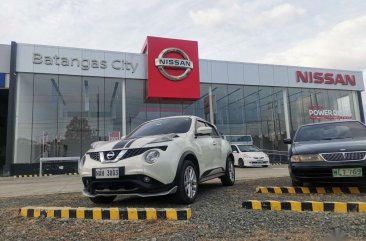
x: 331, y: 131
x: 162, y: 126
x: 244, y: 148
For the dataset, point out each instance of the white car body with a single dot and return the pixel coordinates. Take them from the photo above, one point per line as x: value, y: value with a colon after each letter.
x: 136, y: 177
x: 249, y: 156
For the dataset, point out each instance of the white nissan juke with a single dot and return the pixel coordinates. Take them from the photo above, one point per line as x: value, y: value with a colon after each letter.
x: 164, y: 156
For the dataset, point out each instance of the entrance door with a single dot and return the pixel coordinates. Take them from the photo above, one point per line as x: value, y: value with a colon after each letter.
x: 4, y: 97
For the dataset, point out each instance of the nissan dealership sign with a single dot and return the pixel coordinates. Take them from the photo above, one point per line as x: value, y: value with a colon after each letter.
x: 325, y: 78
x: 172, y: 69
x: 162, y: 63
x: 84, y: 63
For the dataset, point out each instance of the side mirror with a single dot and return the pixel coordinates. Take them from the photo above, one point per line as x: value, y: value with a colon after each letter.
x: 287, y: 141
x: 235, y: 152
x: 204, y: 130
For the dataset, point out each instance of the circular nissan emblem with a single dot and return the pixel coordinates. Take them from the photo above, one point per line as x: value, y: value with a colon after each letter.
x: 185, y: 63
x: 110, y: 155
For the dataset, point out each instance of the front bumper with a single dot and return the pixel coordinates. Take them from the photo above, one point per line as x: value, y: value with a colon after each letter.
x: 251, y: 162
x: 322, y: 172
x: 129, y: 185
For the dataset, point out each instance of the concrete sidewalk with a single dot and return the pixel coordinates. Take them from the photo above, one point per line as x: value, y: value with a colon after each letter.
x: 13, y: 187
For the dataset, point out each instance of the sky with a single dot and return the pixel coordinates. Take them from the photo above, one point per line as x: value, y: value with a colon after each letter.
x: 311, y: 33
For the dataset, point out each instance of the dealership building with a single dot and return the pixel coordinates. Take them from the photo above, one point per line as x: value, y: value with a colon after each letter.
x: 56, y: 101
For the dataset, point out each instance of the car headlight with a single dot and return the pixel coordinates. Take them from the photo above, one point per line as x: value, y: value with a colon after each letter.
x: 152, y: 156
x: 307, y: 158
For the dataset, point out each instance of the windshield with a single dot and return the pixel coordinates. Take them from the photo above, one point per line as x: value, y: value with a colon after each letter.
x: 331, y: 131
x: 162, y: 126
x: 244, y: 148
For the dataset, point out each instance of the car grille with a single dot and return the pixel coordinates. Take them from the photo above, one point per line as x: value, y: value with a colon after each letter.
x: 94, y: 155
x: 129, y: 153
x: 344, y: 156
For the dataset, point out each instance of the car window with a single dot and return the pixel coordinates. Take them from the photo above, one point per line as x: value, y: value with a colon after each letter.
x: 330, y: 131
x: 245, y: 148
x: 162, y: 126
x: 234, y: 148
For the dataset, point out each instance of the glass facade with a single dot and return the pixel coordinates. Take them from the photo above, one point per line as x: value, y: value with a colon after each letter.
x: 60, y: 115
x: 303, y: 101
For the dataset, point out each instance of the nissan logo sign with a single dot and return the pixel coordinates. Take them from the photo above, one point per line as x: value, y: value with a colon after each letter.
x: 185, y: 63
x: 110, y: 155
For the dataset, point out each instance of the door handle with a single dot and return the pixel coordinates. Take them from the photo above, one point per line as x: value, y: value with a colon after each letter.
x: 214, y: 143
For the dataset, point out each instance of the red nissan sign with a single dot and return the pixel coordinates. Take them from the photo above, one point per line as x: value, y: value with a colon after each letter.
x: 325, y: 78
x: 173, y: 69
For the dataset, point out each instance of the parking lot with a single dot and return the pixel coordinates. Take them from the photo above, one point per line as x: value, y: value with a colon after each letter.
x: 217, y: 214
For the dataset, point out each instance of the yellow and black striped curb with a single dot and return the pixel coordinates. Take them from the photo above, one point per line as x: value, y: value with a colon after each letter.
x: 309, y: 190
x: 35, y: 175
x: 107, y: 213
x: 312, y: 206
x: 46, y: 175
x: 72, y: 174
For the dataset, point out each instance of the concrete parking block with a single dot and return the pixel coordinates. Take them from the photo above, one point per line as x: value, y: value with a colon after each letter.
x: 107, y: 213
x: 311, y: 190
x: 311, y: 206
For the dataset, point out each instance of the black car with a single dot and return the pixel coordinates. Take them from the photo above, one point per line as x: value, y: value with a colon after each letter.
x: 332, y: 152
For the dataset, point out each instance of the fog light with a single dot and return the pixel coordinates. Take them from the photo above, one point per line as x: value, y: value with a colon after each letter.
x: 146, y: 179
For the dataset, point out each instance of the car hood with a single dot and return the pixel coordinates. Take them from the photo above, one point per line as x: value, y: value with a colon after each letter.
x: 135, y: 142
x: 255, y: 154
x: 327, y: 146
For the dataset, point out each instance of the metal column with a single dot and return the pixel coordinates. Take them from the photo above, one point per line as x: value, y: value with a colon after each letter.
x: 286, y: 110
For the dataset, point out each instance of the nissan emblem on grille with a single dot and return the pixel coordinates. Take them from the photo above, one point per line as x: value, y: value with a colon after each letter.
x: 110, y: 155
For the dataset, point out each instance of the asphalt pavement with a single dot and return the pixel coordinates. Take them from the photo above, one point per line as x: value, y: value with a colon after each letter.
x: 25, y: 186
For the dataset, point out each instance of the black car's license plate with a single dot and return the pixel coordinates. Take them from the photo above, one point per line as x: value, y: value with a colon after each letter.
x: 347, y: 172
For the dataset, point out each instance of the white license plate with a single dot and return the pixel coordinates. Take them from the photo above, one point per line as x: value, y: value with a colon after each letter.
x: 107, y: 173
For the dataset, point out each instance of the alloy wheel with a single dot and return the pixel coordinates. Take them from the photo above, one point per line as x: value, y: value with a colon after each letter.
x: 190, y: 182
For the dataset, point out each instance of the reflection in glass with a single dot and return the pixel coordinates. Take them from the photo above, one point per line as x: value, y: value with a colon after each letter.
x: 23, y: 122
x: 59, y: 115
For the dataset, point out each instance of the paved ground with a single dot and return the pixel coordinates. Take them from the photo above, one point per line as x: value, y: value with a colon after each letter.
x: 13, y: 187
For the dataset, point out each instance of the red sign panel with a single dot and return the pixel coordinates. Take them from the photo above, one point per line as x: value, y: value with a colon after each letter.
x: 173, y: 69
x: 114, y: 136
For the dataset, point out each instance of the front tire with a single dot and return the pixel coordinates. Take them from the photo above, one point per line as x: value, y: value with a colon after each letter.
x: 229, y: 178
x: 187, y: 183
x: 241, y: 163
x: 102, y: 199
